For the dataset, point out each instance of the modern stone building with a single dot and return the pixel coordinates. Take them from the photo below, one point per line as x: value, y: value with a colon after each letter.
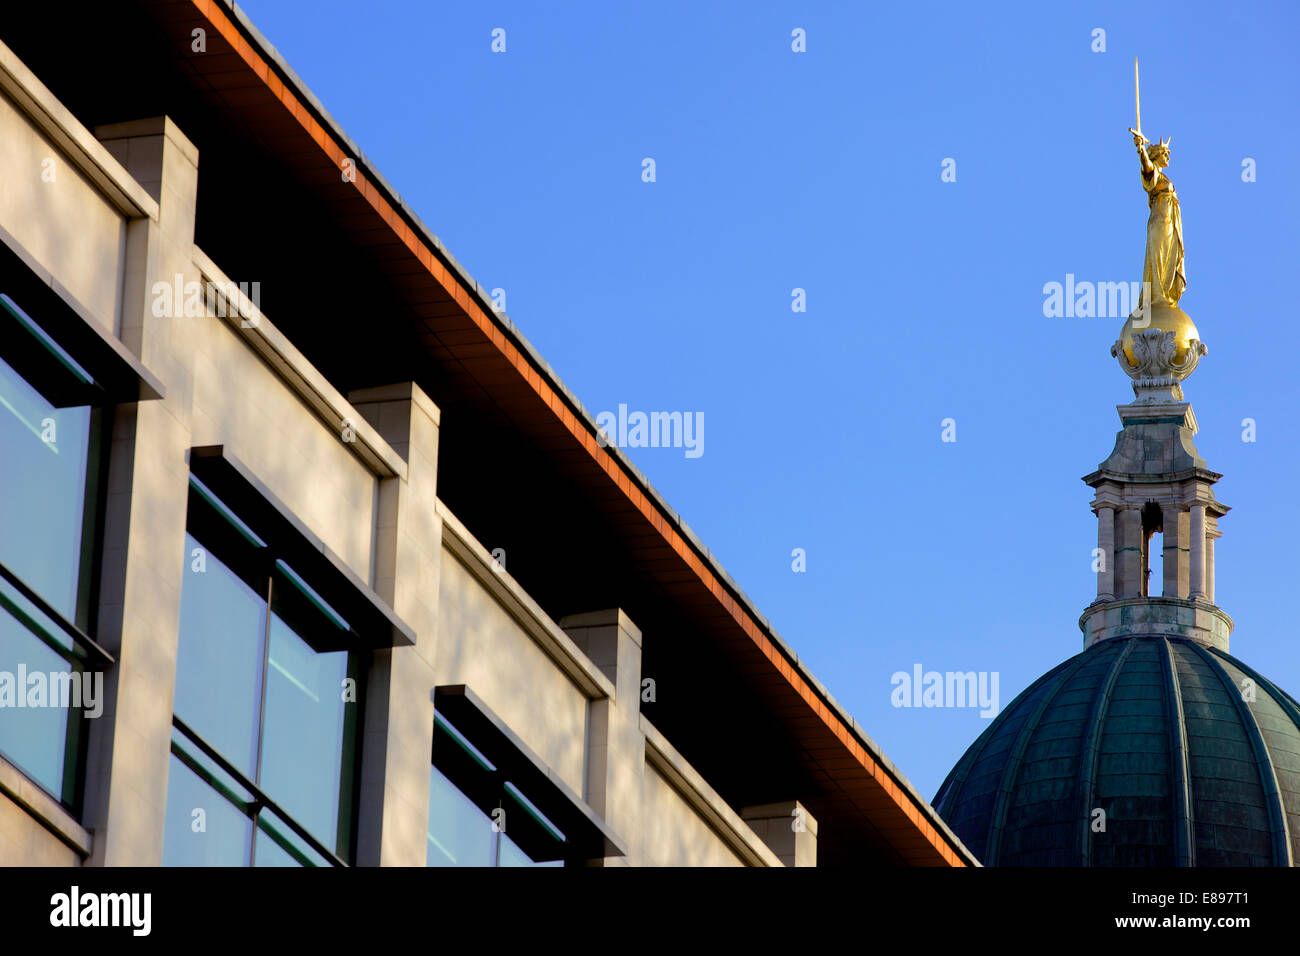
x: 1153, y: 747
x: 307, y: 557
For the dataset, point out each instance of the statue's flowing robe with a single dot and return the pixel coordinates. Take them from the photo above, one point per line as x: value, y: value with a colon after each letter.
x: 1163, y: 266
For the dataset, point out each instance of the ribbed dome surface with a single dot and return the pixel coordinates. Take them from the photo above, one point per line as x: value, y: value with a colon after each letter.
x: 1154, y: 731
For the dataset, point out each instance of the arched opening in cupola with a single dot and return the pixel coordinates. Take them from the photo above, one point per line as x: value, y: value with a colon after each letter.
x: 1153, y: 540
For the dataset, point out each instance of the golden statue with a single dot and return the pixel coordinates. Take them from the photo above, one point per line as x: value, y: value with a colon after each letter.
x: 1162, y: 269
x: 1159, y: 345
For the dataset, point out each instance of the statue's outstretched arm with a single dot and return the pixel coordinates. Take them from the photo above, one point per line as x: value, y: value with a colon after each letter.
x: 1148, y: 167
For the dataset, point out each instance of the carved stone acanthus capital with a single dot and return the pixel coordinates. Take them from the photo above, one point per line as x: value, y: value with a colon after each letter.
x: 1154, y: 351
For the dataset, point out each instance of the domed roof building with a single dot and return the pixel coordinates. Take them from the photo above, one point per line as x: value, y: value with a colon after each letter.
x: 1155, y: 732
x: 1154, y: 746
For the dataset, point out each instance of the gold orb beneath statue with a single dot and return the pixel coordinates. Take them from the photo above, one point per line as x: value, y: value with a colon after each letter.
x: 1166, y: 318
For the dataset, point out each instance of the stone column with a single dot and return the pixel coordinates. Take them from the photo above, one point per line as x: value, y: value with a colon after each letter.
x: 393, y: 816
x: 1176, y: 567
x: 1106, y: 545
x: 1128, y: 557
x: 616, y: 754
x: 1209, y: 565
x: 129, y: 748
x: 1197, y: 576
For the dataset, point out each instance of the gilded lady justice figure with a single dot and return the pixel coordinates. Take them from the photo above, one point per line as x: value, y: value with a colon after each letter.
x: 1159, y: 345
x: 1163, y: 266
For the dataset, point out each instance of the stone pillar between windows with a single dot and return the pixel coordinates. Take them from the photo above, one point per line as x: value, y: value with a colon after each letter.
x: 616, y: 746
x: 397, y: 741
x: 1197, y: 576
x: 1128, y: 558
x: 1210, y: 537
x: 1106, y: 545
x: 1176, y: 557
x: 141, y: 565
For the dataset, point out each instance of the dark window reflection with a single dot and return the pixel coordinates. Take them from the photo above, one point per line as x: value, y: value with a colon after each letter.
x: 475, y: 814
x: 43, y: 491
x: 48, y: 485
x: 207, y: 814
x: 219, y: 662
x: 460, y: 834
x: 251, y: 683
x: 306, y: 732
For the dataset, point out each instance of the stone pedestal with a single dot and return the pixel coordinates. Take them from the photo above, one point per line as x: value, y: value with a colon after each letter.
x: 1155, y: 471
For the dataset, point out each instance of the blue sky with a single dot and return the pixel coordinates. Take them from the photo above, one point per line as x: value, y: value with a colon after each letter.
x: 821, y: 170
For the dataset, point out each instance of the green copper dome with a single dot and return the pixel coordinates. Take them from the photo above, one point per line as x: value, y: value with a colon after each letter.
x: 1160, y: 733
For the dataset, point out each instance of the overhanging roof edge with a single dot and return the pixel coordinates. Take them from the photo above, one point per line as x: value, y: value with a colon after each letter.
x: 390, y: 195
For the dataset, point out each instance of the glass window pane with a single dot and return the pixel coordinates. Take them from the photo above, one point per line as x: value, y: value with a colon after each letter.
x: 460, y: 834
x: 278, y: 845
x: 36, y: 716
x: 42, y: 490
x: 511, y: 855
x: 226, y: 835
x: 306, y: 726
x: 219, y: 664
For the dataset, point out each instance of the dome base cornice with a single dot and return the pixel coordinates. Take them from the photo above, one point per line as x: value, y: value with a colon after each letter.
x: 1195, y: 620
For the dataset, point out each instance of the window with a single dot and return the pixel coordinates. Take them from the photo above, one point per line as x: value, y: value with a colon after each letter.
x: 482, y: 819
x: 43, y: 504
x: 267, y: 706
x: 51, y: 676
x: 1152, y: 549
